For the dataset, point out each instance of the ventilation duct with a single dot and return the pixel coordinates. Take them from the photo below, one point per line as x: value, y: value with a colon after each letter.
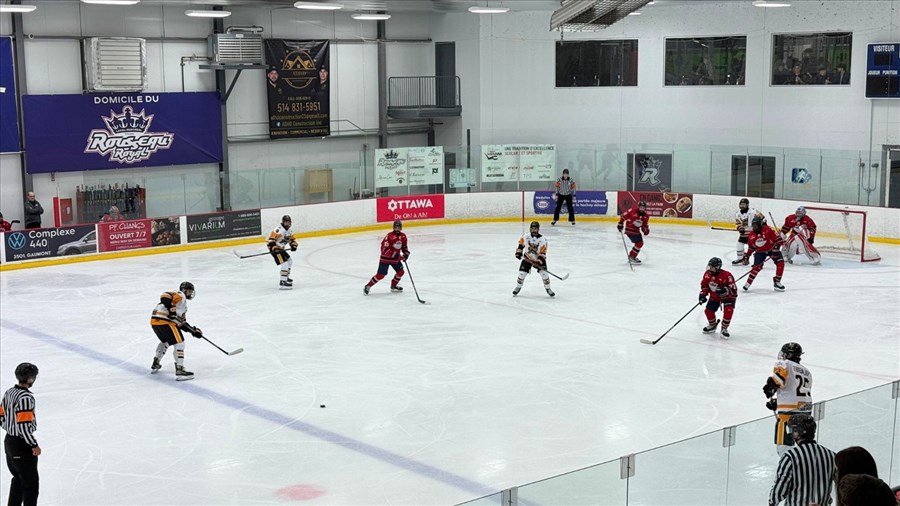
x: 592, y: 15
x: 115, y: 64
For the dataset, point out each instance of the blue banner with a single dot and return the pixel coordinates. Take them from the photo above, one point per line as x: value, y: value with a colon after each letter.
x: 586, y: 202
x: 122, y: 130
x: 9, y: 121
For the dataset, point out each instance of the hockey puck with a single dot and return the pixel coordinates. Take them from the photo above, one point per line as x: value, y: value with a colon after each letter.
x: 321, y: 405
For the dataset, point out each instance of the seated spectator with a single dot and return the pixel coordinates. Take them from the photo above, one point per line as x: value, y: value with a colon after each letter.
x: 864, y: 490
x: 853, y: 460
x: 5, y: 226
x: 822, y: 76
x: 797, y: 76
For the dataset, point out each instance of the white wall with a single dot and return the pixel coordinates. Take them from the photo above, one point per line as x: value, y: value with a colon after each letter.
x: 519, y: 102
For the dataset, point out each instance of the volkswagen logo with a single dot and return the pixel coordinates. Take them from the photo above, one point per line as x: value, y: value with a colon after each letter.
x: 16, y: 240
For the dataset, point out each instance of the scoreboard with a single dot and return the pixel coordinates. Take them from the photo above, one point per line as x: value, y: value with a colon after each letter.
x: 883, y: 70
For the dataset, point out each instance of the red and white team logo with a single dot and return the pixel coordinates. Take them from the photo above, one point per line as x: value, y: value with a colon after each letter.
x: 414, y: 207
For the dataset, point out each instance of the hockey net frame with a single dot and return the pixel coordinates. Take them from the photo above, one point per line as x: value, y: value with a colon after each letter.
x: 852, y: 242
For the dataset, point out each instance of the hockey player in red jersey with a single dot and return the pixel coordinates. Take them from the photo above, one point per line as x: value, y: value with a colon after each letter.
x: 635, y: 221
x: 802, y: 230
x: 764, y: 242
x: 393, y: 252
x: 719, y: 286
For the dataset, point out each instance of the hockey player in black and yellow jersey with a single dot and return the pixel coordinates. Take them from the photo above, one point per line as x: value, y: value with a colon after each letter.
x: 278, y: 243
x: 168, y: 320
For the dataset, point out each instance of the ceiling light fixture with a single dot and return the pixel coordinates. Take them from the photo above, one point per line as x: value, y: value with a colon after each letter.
x: 771, y: 3
x: 111, y: 2
x: 635, y: 13
x: 488, y: 10
x: 366, y: 16
x: 207, y: 14
x: 318, y: 6
x: 651, y: 2
x: 17, y: 8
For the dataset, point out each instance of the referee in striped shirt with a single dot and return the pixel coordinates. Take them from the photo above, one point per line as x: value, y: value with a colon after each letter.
x: 806, y: 471
x: 22, y: 450
x: 565, y: 192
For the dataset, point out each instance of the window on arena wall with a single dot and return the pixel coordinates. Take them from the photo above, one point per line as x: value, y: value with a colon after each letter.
x: 596, y: 63
x: 811, y: 59
x: 706, y: 61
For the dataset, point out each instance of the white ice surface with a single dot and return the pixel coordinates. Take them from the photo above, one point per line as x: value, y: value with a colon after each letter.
x: 425, y: 404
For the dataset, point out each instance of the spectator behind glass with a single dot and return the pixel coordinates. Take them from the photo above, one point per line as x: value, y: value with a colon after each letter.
x: 797, y: 76
x: 5, y: 226
x: 33, y: 211
x: 864, y: 490
x: 840, y: 75
x: 112, y: 215
x: 822, y: 76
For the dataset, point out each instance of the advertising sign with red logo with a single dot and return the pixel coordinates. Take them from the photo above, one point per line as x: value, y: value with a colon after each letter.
x: 122, y: 235
x: 665, y: 204
x: 413, y: 207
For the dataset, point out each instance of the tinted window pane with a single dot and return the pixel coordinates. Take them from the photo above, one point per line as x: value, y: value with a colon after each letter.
x: 809, y: 59
x: 705, y: 61
x: 596, y: 63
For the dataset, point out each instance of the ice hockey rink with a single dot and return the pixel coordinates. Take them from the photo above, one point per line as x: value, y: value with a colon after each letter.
x: 434, y: 403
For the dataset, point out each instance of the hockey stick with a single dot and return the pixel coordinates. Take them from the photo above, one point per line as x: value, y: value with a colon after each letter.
x: 647, y: 341
x: 708, y: 222
x: 229, y: 353
x: 536, y: 266
x: 248, y: 256
x: 413, y: 283
x: 627, y: 256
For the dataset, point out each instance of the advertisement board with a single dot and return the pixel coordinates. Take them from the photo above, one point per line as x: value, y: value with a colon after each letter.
x: 391, y: 167
x: 666, y: 204
x: 124, y: 235
x: 209, y: 227
x: 425, y: 165
x: 518, y: 162
x: 298, y: 88
x: 586, y: 202
x: 414, y: 207
x: 50, y: 242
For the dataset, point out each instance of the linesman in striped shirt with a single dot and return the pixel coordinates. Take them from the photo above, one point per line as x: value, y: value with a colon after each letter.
x: 565, y: 192
x: 22, y: 450
x: 806, y: 471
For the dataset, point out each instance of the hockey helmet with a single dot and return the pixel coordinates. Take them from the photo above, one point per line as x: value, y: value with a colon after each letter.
x: 286, y: 218
x: 803, y: 426
x: 641, y: 204
x: 791, y: 351
x: 26, y: 371
x: 715, y: 263
x: 398, y: 225
x: 744, y: 204
x: 801, y: 212
x: 187, y: 288
x: 758, y: 223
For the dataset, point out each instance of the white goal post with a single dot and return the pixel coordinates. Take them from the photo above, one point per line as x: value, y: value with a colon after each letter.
x: 842, y: 231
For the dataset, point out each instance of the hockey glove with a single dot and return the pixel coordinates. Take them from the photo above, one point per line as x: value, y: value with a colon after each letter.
x: 294, y: 245
x: 702, y: 298
x: 196, y: 332
x: 646, y: 231
x: 519, y: 254
x: 406, y: 255
x: 772, y: 404
x: 769, y: 388
x: 721, y: 291
x: 619, y: 227
x: 811, y: 240
x: 745, y: 260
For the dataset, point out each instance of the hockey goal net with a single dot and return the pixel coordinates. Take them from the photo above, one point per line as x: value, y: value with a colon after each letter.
x: 842, y: 231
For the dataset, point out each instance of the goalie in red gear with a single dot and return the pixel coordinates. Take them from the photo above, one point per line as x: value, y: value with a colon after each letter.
x: 802, y: 230
x: 719, y: 287
x: 393, y: 252
x: 635, y: 221
x: 764, y: 243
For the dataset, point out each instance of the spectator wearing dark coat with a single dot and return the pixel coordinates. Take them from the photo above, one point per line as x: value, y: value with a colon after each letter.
x: 33, y: 211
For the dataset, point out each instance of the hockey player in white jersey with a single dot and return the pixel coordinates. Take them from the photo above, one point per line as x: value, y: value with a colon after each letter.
x: 278, y: 242
x: 742, y: 220
x: 789, y: 390
x: 532, y: 251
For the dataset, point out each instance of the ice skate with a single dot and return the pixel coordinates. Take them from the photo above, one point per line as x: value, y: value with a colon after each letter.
x: 395, y: 288
x: 182, y: 374
x: 366, y: 289
x: 550, y: 292
x: 738, y: 261
x: 285, y: 285
x: 552, y: 223
x: 725, y: 334
x: 746, y: 287
x: 155, y: 366
x: 778, y: 286
x: 517, y: 289
x: 634, y: 260
x: 709, y: 329
x: 573, y: 223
